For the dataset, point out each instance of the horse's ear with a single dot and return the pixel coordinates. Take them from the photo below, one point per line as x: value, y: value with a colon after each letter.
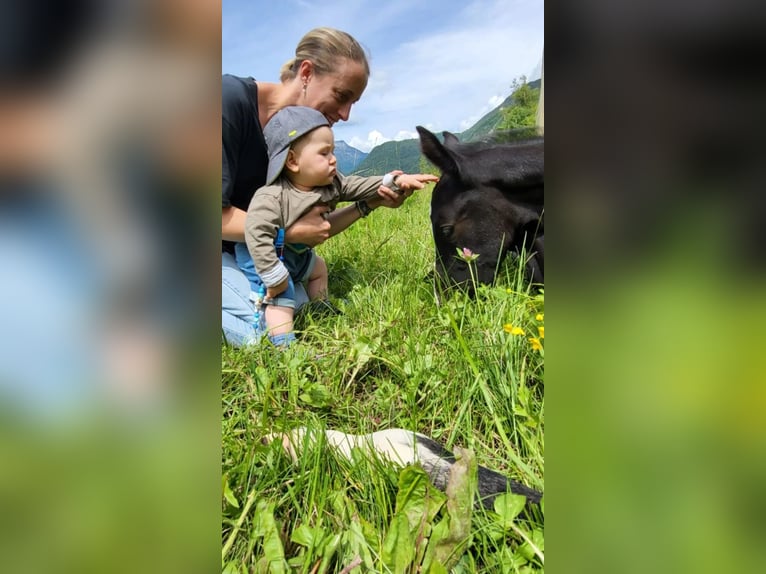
x: 437, y: 153
x: 450, y: 139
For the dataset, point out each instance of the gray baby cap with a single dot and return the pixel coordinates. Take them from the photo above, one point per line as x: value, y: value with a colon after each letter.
x: 287, y: 125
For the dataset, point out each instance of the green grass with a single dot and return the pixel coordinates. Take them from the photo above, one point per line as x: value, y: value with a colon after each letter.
x: 393, y: 359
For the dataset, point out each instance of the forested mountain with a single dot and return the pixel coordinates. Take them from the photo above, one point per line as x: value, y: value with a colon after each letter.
x: 348, y: 157
x: 405, y: 154
x: 492, y: 120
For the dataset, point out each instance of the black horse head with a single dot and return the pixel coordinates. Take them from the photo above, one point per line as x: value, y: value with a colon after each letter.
x: 488, y: 202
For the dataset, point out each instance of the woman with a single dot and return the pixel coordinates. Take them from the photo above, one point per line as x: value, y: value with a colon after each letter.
x: 328, y: 73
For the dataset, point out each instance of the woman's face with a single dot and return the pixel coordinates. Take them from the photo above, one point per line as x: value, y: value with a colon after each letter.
x: 334, y: 94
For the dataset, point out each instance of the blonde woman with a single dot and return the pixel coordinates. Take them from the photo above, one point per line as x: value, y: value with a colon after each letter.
x: 329, y: 73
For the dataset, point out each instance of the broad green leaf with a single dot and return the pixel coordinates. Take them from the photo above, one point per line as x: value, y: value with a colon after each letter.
x: 232, y: 568
x: 518, y: 559
x: 328, y: 549
x: 452, y: 535
x: 341, y: 507
x: 363, y: 349
x: 399, y: 546
x: 306, y: 536
x: 420, y: 502
x: 265, y: 526
x: 494, y: 530
x: 358, y: 544
x: 520, y: 411
x: 538, y: 540
x: 439, y: 538
x: 508, y: 506
x: 436, y: 568
x: 417, y: 498
x: 227, y: 493
x: 264, y: 377
x: 505, y: 561
x: 466, y: 565
x: 317, y: 396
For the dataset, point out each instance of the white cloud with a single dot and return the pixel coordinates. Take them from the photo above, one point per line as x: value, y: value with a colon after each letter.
x: 451, y: 75
x: 405, y: 135
x: 374, y: 138
x: 493, y: 102
x: 436, y: 67
x: 536, y: 72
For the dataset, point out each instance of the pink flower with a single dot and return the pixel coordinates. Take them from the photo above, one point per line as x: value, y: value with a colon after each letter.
x: 466, y: 254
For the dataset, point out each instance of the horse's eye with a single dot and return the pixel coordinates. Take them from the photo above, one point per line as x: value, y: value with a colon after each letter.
x: 447, y: 230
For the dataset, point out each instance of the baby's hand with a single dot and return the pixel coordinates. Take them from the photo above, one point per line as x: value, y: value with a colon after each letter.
x: 405, y: 185
x: 413, y: 181
x: 272, y: 292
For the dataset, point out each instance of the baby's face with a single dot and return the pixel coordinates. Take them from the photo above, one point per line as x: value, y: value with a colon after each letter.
x: 315, y: 159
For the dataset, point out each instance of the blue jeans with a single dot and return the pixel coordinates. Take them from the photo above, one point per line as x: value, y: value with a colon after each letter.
x: 237, y: 308
x: 299, y: 264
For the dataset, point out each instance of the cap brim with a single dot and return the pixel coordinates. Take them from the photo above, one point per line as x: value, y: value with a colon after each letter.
x: 276, y: 164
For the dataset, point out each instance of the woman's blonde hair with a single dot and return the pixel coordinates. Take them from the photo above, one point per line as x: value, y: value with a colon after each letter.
x: 323, y: 47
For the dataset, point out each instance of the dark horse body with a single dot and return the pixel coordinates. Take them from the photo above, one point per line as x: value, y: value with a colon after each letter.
x: 489, y: 200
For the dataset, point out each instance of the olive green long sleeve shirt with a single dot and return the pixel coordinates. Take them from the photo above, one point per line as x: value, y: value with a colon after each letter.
x: 280, y: 205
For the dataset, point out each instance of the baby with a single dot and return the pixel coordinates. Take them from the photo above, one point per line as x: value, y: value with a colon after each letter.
x: 302, y: 173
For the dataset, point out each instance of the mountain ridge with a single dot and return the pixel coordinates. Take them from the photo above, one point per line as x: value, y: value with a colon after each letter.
x: 405, y: 154
x: 348, y: 157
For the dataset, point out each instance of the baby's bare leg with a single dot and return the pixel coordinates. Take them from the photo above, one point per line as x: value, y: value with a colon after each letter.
x: 317, y: 286
x: 279, y: 320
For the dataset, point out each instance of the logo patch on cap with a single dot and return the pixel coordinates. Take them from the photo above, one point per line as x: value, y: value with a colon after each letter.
x: 292, y: 133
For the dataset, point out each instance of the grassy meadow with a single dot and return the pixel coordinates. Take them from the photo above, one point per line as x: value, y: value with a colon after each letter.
x: 464, y: 372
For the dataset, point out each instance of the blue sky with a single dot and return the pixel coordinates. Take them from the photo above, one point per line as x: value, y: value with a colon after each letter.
x: 441, y: 64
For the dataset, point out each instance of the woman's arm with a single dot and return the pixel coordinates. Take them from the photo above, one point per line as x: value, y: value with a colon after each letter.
x: 311, y: 229
x: 341, y: 219
x: 233, y: 224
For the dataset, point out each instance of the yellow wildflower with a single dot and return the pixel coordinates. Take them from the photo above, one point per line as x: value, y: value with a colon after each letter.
x: 536, y: 345
x: 508, y: 328
x: 541, y: 331
x: 539, y: 317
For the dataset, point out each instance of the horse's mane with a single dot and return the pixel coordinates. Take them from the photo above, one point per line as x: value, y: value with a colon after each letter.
x: 504, y: 159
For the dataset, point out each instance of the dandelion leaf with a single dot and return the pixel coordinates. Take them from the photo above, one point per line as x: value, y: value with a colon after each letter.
x: 265, y: 526
x: 399, y: 546
x: 227, y: 492
x: 452, y: 535
x: 508, y: 506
